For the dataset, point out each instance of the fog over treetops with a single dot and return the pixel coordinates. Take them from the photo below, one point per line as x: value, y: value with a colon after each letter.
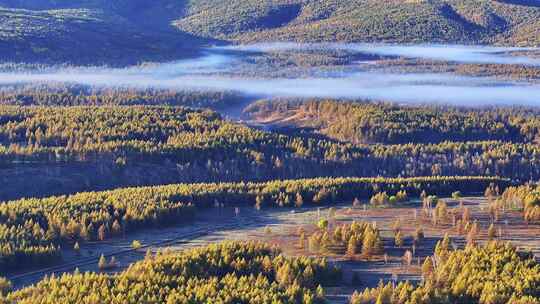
x: 252, y: 70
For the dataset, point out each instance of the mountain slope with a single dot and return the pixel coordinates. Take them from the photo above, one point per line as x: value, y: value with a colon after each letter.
x: 456, y: 21
x: 91, y: 32
x: 129, y: 31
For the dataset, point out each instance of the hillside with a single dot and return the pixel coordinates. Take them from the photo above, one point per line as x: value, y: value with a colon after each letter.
x: 125, y: 32
x: 367, y: 123
x: 456, y: 21
x: 61, y: 150
x: 84, y: 32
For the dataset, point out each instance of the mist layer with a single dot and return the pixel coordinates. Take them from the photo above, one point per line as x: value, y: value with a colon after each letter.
x: 221, y: 71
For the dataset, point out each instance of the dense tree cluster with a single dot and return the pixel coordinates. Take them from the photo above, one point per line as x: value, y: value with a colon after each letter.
x: 228, y: 272
x: 62, y: 94
x: 369, y: 122
x: 493, y: 274
x: 526, y: 198
x: 382, y: 198
x: 32, y: 229
x: 354, y: 239
x: 162, y: 133
x: 91, y: 33
x: 115, y: 143
x: 57, y: 134
x: 455, y: 21
x: 502, y: 71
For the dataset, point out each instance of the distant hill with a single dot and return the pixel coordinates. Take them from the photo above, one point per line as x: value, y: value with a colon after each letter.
x: 128, y: 31
x: 515, y: 22
x: 94, y: 32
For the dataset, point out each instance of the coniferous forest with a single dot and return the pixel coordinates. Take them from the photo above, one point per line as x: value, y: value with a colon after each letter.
x: 269, y: 152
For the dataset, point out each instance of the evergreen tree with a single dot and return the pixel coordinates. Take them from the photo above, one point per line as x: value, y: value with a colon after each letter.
x: 398, y: 239
x: 427, y: 268
x: 102, y: 232
x: 299, y: 201
x: 116, y: 228
x: 352, y: 246
x: 492, y: 232
x: 77, y: 248
x: 302, y: 240
x: 102, y: 263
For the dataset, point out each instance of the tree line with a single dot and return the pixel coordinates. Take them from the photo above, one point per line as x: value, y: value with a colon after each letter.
x: 65, y: 94
x: 230, y: 272
x: 525, y: 198
x: 33, y: 229
x: 185, y: 145
x: 495, y: 273
x: 388, y: 123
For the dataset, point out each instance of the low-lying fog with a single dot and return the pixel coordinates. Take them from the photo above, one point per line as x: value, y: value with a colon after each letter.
x: 451, y: 53
x: 223, y: 69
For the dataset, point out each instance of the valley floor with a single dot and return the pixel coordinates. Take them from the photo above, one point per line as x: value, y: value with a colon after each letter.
x: 280, y: 226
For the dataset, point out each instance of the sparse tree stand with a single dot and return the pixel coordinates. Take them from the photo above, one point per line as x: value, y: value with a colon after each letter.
x: 441, y: 212
x: 320, y: 292
x: 258, y: 202
x: 472, y: 234
x: 442, y: 247
x: 116, y: 228
x: 148, y: 255
x: 113, y: 263
x: 466, y: 217
x: 331, y: 213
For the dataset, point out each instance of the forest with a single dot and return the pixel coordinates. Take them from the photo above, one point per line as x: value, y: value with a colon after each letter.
x: 116, y: 143
x: 459, y: 21
x: 269, y: 152
x: 32, y: 229
x: 255, y: 273
x: 122, y: 32
x: 80, y: 95
x: 388, y: 123
x: 230, y: 272
x: 495, y: 273
x: 464, y: 172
